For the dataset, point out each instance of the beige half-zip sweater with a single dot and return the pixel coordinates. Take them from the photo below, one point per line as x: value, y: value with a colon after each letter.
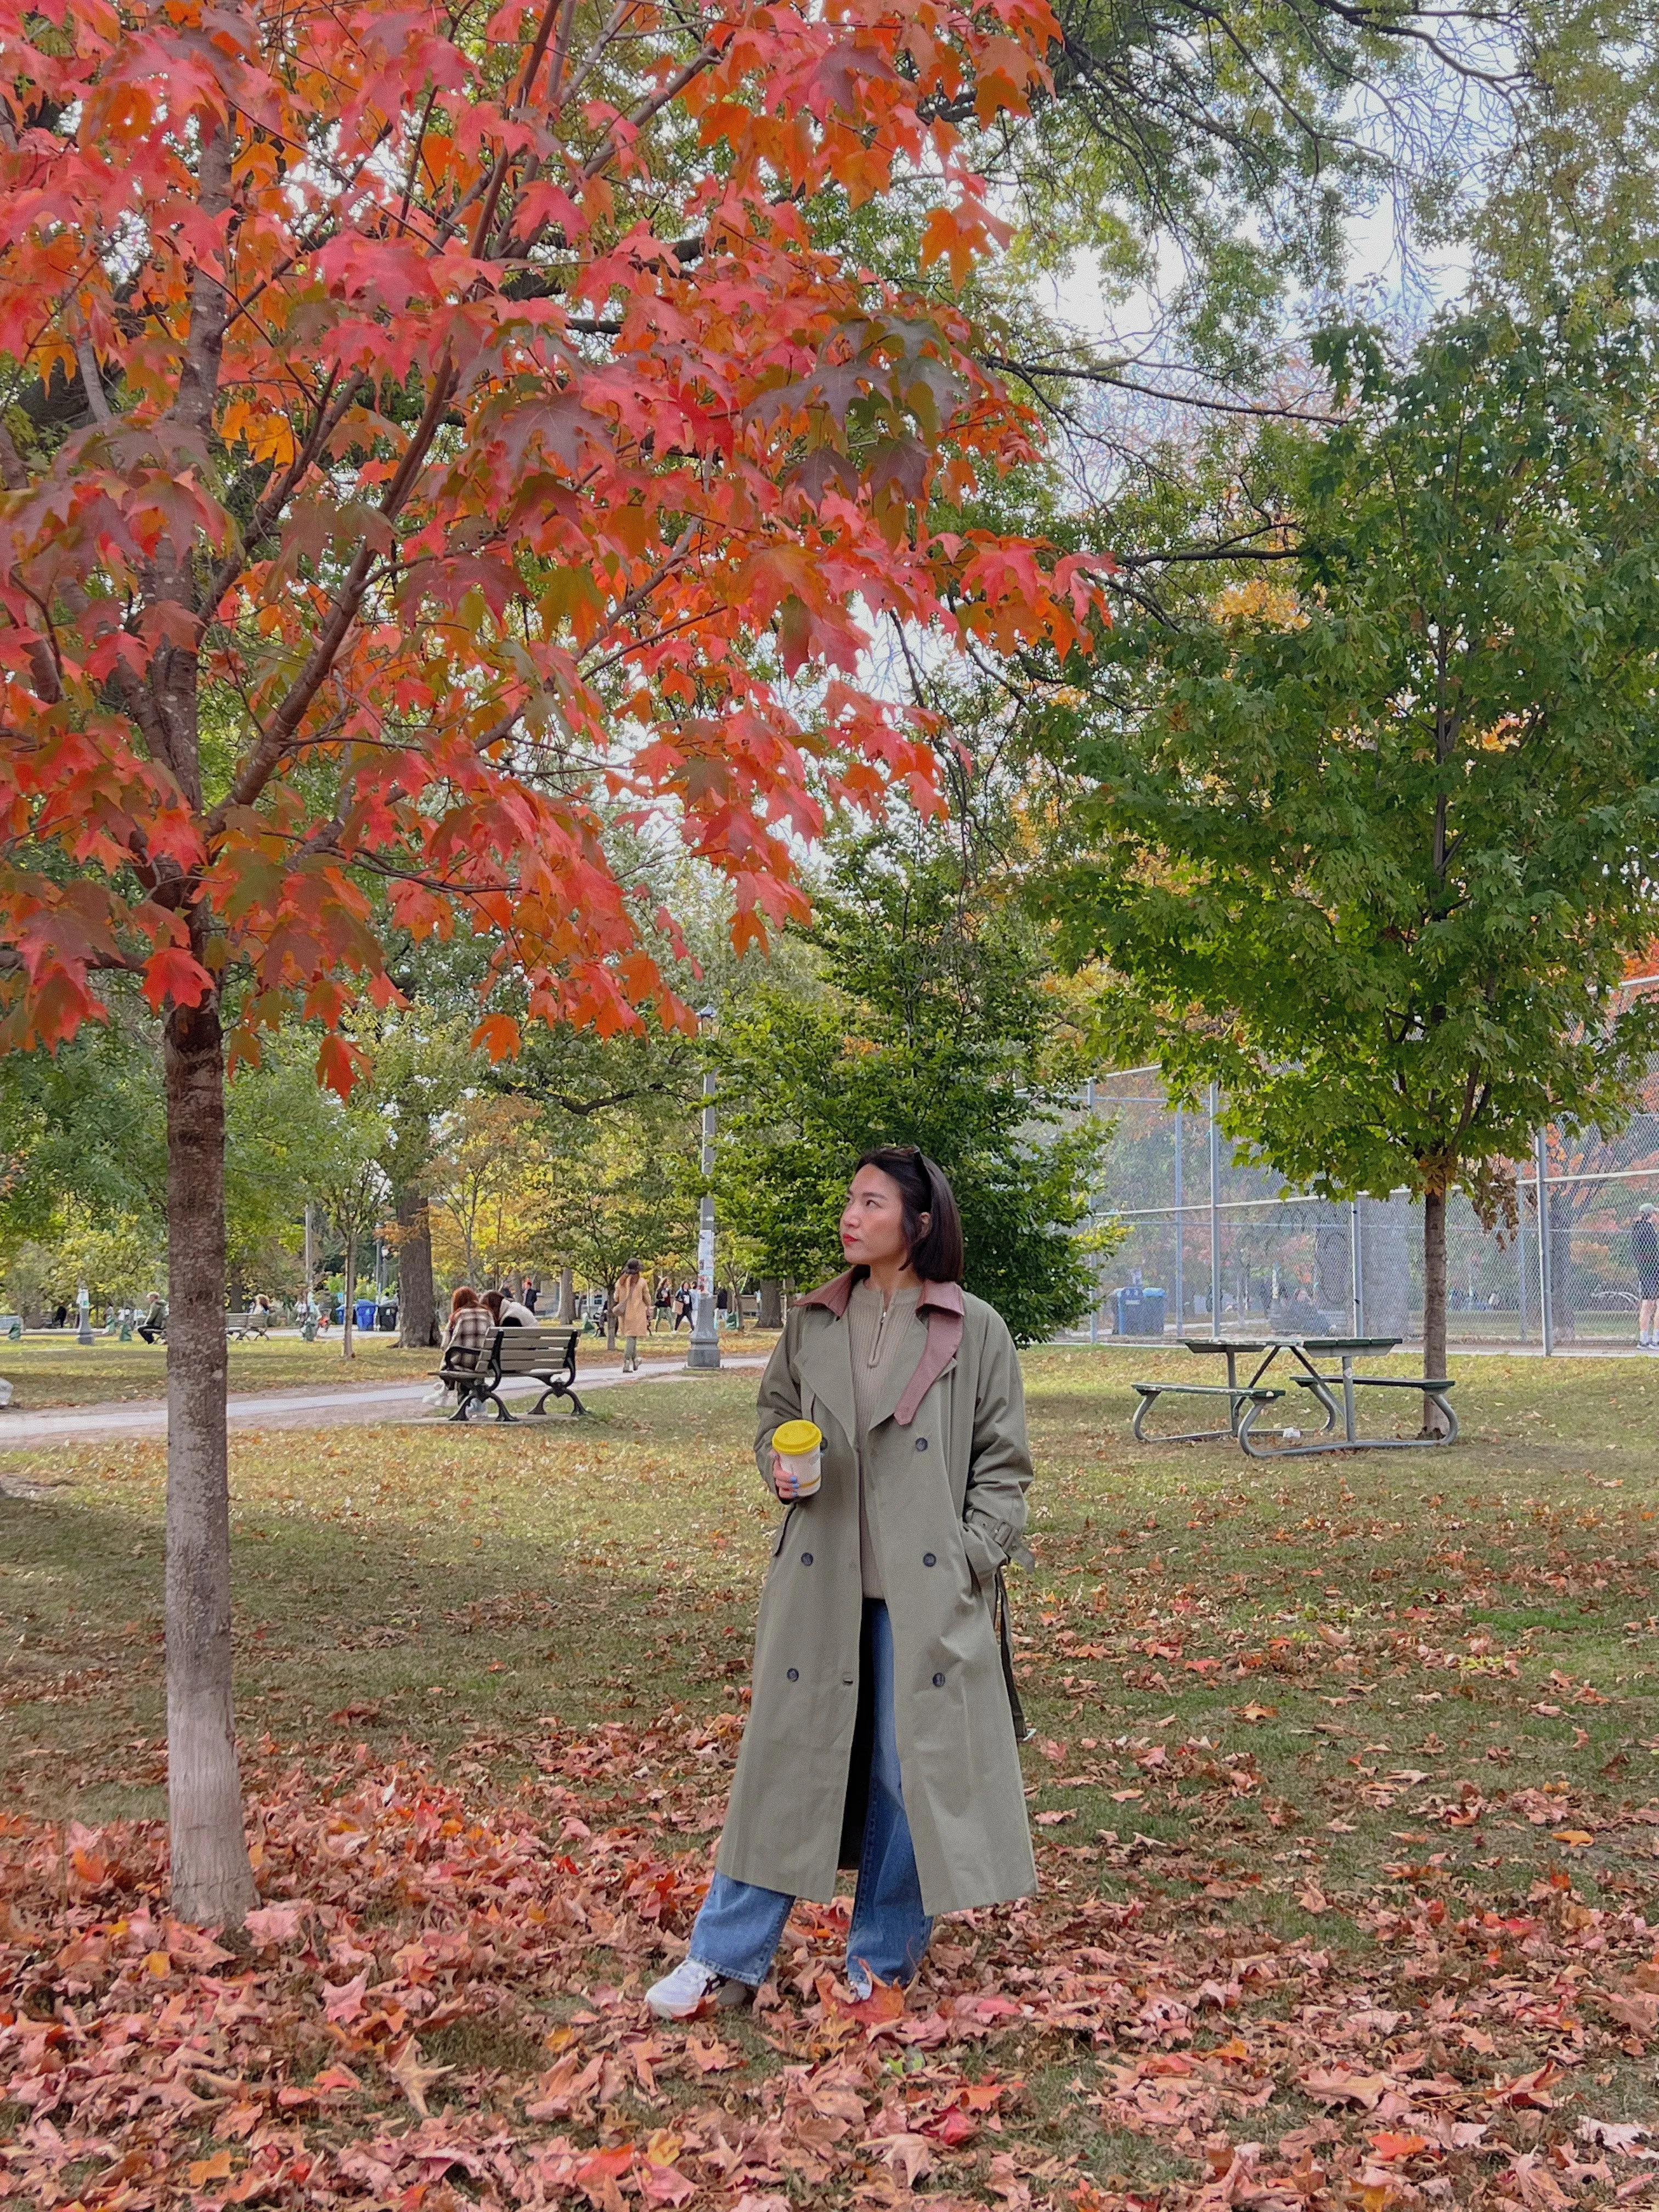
x: 887, y: 1342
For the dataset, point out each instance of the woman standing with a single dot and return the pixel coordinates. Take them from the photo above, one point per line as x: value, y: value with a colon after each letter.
x: 633, y: 1298
x: 881, y: 1733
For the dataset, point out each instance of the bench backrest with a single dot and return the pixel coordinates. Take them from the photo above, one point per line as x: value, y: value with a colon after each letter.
x: 528, y: 1351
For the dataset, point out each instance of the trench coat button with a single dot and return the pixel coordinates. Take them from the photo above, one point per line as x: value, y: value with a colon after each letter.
x: 929, y: 1560
x: 921, y: 1443
x: 849, y: 1682
x: 806, y: 1558
x: 794, y: 1674
x: 939, y: 1681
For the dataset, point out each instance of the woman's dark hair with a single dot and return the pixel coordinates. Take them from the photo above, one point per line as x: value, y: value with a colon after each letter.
x: 492, y: 1301
x: 936, y: 1251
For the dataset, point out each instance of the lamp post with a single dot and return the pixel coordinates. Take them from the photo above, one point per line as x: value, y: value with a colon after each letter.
x: 84, y: 1304
x: 705, y: 1352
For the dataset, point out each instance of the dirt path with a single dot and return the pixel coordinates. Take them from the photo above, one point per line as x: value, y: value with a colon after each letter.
x: 338, y: 1407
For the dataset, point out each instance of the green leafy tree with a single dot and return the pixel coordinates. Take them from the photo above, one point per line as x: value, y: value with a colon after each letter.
x: 1569, y: 195
x: 931, y: 1026
x: 423, y: 1062
x: 347, y: 1177
x: 1369, y: 843
x: 614, y: 1202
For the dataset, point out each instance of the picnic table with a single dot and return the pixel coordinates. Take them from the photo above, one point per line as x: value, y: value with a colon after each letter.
x: 1247, y: 1401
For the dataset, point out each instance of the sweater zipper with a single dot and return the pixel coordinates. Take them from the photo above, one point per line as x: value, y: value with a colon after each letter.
x: 874, y: 1359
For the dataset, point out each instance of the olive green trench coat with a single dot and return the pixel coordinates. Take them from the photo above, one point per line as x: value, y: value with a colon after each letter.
x: 946, y: 1475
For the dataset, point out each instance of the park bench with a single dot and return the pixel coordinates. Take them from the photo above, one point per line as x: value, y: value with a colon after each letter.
x: 255, y: 1322
x: 477, y: 1371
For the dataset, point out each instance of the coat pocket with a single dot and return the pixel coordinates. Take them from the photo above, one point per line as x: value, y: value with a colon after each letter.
x: 783, y: 1528
x: 986, y: 1555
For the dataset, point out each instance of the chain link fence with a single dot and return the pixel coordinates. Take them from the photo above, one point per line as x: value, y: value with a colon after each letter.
x: 1214, y: 1245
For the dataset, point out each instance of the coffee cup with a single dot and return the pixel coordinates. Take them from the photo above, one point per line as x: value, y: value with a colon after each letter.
x: 799, y: 1448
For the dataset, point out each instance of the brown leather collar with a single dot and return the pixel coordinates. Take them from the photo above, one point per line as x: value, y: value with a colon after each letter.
x: 936, y: 1297
x: 942, y: 1302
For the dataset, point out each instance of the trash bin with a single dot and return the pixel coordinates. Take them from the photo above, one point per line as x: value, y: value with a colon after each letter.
x: 386, y: 1319
x: 1138, y: 1312
x: 364, y: 1309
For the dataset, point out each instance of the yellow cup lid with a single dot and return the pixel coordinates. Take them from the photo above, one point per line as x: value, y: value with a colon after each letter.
x: 795, y: 1437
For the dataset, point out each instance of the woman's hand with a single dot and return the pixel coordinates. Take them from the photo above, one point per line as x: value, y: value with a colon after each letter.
x: 787, y: 1485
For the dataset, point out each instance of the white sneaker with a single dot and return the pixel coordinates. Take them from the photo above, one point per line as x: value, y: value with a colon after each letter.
x: 691, y: 1986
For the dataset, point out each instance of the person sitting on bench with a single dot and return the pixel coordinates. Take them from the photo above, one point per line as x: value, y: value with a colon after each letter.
x: 471, y: 1326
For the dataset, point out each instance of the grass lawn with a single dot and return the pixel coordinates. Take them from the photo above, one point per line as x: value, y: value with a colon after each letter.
x: 49, y: 1368
x: 1345, y: 1779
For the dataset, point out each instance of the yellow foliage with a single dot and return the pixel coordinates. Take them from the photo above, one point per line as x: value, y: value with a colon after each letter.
x: 1263, y: 600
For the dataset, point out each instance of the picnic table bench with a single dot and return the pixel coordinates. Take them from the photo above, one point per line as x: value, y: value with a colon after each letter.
x: 1247, y: 1401
x: 477, y: 1371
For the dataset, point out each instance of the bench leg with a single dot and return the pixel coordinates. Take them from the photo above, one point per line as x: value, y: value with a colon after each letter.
x: 1183, y: 1436
x: 1245, y: 1426
x: 1142, y: 1411
x: 472, y: 1400
x: 1437, y: 1398
x: 1316, y: 1388
x: 558, y: 1391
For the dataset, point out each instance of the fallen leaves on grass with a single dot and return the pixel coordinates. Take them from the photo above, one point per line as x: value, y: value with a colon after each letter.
x: 441, y: 2003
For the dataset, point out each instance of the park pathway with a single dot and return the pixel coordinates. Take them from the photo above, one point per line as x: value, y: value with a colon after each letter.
x: 345, y: 1405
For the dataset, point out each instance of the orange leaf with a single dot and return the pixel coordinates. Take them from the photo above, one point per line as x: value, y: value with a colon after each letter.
x: 499, y: 1035
x: 174, y: 974
x: 1387, y: 2146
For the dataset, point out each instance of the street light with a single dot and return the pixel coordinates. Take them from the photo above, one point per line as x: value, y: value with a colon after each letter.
x: 705, y: 1352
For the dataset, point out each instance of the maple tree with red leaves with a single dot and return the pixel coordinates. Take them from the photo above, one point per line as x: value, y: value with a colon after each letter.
x: 431, y: 431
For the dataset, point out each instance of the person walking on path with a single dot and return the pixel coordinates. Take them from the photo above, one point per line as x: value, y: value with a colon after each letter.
x: 1644, y: 1250
x: 881, y: 1733
x: 633, y: 1314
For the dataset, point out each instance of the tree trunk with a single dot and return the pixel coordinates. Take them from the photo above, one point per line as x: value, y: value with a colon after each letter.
x: 212, y: 1879
x: 1434, y: 1301
x: 735, y: 1307
x: 347, y: 1349
x: 567, y: 1295
x: 417, y: 1303
x: 771, y: 1302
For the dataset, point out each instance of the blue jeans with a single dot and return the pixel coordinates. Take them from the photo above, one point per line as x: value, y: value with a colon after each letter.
x: 738, y: 1929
